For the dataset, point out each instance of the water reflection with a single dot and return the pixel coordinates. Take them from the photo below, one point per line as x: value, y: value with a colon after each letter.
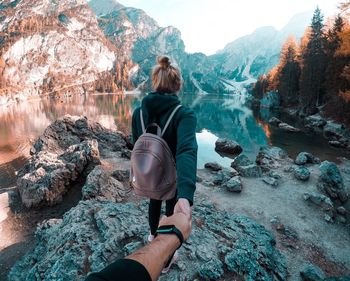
x: 218, y: 116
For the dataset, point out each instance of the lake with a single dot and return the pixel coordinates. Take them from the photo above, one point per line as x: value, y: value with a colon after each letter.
x: 218, y: 116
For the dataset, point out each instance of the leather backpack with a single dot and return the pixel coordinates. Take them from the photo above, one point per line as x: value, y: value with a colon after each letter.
x: 153, y: 169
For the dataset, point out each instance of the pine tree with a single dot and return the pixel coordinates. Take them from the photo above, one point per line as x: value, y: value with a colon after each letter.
x: 289, y: 73
x: 313, y: 65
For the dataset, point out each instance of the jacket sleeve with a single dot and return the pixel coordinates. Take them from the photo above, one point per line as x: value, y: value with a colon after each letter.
x: 186, y: 156
x: 134, y: 131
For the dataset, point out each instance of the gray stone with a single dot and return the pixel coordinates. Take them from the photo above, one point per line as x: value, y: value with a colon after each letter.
x: 305, y: 157
x: 275, y: 121
x: 341, y: 210
x: 101, y: 186
x: 95, y: 233
x: 250, y: 171
x: 47, y: 176
x: 312, y: 272
x: 315, y: 121
x: 328, y: 218
x: 288, y: 128
x: 224, y: 175
x: 234, y: 184
x: 334, y: 131
x: 302, y: 173
x: 227, y: 147
x: 270, y: 181
x: 211, y: 270
x: 270, y: 157
x: 213, y: 166
x: 274, y: 175
x: 319, y: 200
x: 241, y: 160
x: 331, y: 182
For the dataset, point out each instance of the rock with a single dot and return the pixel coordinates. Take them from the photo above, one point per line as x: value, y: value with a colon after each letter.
x: 121, y: 175
x: 270, y: 181
x: 275, y: 121
x: 199, y: 179
x: 227, y: 147
x: 302, y: 173
x: 334, y: 131
x: 250, y: 171
x: 47, y: 176
x: 241, y: 160
x: 234, y: 184
x: 70, y: 130
x: 315, y: 121
x: 342, y: 211
x: 245, y: 167
x: 274, y: 175
x: 312, y: 272
x: 270, y: 157
x: 305, y: 157
x: 213, y: 166
x: 331, y: 182
x: 224, y: 175
x: 95, y: 233
x: 101, y: 186
x: 288, y: 128
x: 336, y: 144
x: 341, y: 219
x: 328, y: 218
x: 211, y: 270
x: 319, y: 200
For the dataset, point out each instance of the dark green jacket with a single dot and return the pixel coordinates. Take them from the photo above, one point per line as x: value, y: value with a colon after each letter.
x: 180, y: 136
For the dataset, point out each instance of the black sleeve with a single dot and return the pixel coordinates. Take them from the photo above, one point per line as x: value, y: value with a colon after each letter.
x: 121, y: 270
x: 134, y: 130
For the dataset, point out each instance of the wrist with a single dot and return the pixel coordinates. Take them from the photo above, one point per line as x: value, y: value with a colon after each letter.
x: 168, y: 239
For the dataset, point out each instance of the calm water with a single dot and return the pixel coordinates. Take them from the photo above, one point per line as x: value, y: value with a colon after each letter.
x: 218, y: 116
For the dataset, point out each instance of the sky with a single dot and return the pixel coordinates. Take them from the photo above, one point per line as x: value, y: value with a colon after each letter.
x: 208, y: 25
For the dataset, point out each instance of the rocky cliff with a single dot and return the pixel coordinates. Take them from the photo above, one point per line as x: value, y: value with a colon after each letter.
x: 51, y: 47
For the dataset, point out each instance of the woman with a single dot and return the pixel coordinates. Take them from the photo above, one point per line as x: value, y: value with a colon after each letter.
x: 180, y: 137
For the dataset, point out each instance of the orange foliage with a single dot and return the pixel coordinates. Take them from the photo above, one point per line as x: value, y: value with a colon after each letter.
x: 344, y: 49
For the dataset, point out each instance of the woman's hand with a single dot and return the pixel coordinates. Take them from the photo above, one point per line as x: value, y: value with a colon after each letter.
x: 183, y: 206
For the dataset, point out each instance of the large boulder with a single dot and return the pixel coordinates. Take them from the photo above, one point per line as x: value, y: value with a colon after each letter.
x: 101, y: 186
x: 270, y: 157
x: 70, y: 130
x: 47, y: 176
x: 234, y: 184
x: 95, y: 233
x: 213, y: 166
x: 228, y: 147
x: 331, y: 181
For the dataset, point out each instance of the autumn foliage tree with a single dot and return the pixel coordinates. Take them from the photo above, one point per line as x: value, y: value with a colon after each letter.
x: 315, y: 75
x: 313, y: 62
x: 289, y: 73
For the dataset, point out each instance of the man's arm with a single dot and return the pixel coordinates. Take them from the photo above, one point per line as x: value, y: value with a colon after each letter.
x: 147, y: 263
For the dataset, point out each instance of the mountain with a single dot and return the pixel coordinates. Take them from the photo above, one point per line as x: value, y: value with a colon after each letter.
x: 252, y: 55
x: 51, y: 47
x: 105, y: 6
x: 74, y: 46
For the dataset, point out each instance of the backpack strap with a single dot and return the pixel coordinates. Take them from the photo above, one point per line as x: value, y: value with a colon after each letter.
x: 170, y: 118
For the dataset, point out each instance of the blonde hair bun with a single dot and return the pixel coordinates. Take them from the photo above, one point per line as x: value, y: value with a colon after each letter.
x: 164, y: 61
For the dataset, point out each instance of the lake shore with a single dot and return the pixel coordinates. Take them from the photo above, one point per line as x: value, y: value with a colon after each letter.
x: 301, y: 232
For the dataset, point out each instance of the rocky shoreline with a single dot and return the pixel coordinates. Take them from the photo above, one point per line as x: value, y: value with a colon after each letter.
x: 245, y: 224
